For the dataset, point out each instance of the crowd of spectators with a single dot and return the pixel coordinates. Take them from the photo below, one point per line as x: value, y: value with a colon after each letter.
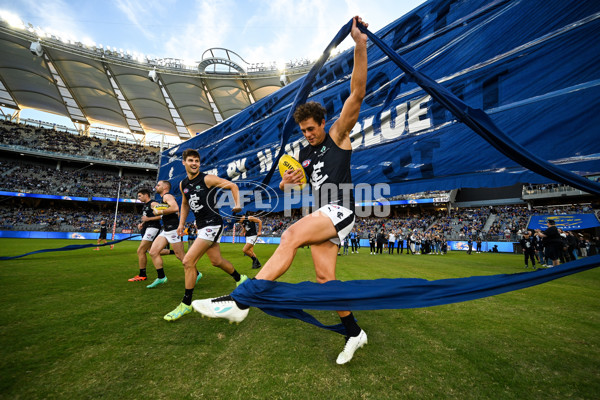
x: 63, y: 218
x: 509, y: 222
x: 36, y: 178
x: 66, y: 143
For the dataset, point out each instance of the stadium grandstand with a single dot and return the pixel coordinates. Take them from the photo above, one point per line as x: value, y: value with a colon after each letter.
x: 92, y: 84
x: 60, y: 179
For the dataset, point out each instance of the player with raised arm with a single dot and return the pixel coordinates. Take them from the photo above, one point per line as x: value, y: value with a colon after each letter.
x: 199, y: 194
x: 326, y: 161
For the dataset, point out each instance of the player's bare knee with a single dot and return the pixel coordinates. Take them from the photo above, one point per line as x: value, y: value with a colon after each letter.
x: 217, y: 263
x: 188, y: 263
x: 322, y: 278
x: 289, y: 239
x: 154, y: 253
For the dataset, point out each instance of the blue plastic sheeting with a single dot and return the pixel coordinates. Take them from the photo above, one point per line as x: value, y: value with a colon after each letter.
x: 287, y: 300
x: 540, y: 84
x: 570, y: 222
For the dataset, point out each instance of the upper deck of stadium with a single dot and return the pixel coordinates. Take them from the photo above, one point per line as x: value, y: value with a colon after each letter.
x: 95, y: 84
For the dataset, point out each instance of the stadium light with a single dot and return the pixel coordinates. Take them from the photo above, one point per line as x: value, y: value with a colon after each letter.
x: 284, y: 79
x: 36, y: 49
x: 153, y: 76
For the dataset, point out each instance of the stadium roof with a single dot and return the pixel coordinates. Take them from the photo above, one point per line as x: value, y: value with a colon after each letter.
x: 94, y: 85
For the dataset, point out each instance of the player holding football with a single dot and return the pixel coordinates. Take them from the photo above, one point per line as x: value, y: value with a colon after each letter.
x: 327, y: 162
x: 170, y: 221
x: 199, y: 193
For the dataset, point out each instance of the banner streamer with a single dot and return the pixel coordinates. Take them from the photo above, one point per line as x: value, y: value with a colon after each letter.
x: 287, y: 300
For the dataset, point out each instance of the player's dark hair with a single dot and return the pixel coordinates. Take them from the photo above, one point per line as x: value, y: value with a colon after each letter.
x: 190, y: 153
x: 312, y: 109
x: 145, y: 191
x: 551, y: 222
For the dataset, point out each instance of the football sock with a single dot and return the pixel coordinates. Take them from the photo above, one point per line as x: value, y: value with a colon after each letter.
x: 240, y: 305
x: 187, y: 297
x: 253, y: 258
x: 142, y: 272
x: 161, y: 273
x: 350, y: 324
x: 236, y: 275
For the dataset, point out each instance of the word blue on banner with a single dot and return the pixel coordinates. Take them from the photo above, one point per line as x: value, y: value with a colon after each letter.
x: 569, y: 222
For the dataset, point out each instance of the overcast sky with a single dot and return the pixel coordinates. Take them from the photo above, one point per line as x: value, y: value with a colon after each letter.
x: 259, y: 31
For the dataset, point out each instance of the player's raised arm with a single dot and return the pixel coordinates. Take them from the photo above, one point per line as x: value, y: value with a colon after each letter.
x: 215, y: 181
x: 340, y: 130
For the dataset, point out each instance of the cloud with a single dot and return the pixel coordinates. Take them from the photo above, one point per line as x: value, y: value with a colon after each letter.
x: 139, y: 13
x: 294, y: 29
x: 258, y: 30
x: 53, y: 16
x: 207, y: 24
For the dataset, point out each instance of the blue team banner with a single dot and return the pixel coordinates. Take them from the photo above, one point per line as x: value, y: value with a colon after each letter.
x: 533, y: 70
x: 569, y: 222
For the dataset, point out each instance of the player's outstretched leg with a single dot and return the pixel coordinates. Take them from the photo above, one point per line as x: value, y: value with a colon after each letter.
x: 221, y: 307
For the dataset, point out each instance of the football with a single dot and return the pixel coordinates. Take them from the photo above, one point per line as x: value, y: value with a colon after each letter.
x: 287, y: 162
x: 161, y: 206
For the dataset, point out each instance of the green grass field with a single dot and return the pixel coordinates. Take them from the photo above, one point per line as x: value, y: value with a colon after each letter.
x: 72, y: 327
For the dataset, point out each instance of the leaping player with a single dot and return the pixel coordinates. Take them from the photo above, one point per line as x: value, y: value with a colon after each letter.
x: 327, y: 162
